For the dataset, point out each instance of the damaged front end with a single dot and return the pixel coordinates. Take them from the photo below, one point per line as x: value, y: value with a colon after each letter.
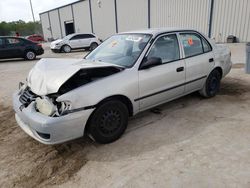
x: 48, y: 104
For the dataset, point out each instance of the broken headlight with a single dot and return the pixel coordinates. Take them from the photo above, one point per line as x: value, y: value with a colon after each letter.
x: 45, y: 106
x: 49, y: 107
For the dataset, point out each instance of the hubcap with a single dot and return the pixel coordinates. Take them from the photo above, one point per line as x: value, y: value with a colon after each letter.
x: 213, y: 84
x: 66, y: 48
x: 110, y: 122
x: 30, y: 55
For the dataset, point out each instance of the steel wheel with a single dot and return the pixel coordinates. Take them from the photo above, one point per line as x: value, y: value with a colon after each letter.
x: 108, y: 122
x: 212, y: 85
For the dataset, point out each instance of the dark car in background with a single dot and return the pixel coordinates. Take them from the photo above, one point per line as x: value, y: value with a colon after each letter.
x: 15, y: 47
x: 35, y: 38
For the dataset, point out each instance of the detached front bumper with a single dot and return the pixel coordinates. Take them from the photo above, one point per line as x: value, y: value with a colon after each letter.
x: 50, y: 130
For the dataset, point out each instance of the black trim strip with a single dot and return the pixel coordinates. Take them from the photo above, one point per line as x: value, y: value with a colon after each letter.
x: 91, y: 18
x: 149, y: 13
x: 73, y: 17
x: 116, y: 20
x: 59, y: 16
x: 162, y: 91
x: 211, y: 19
x: 50, y: 26
x: 78, y: 109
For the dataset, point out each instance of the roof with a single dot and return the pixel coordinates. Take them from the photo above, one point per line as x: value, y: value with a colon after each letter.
x: 61, y: 6
x: 156, y: 31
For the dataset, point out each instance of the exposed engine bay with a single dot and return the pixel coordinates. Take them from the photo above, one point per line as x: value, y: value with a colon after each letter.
x: 48, y: 105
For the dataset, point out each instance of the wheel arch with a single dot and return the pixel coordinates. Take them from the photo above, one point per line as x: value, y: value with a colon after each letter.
x: 220, y: 71
x: 121, y: 98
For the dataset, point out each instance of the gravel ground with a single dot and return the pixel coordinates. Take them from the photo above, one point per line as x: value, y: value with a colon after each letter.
x: 191, y: 141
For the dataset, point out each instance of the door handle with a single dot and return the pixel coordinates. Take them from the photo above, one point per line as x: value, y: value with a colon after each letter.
x: 180, y: 69
x: 211, y: 60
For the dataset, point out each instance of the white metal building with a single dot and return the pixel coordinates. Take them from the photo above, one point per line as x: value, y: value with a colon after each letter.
x: 216, y: 18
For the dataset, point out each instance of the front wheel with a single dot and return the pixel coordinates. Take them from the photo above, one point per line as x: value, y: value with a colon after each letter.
x: 66, y: 49
x: 212, y: 85
x: 108, y: 122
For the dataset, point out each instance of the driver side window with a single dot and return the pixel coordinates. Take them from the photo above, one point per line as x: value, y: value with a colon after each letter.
x: 166, y: 48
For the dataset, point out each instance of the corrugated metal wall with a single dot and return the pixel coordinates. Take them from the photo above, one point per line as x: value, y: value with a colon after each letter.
x: 82, y: 17
x: 132, y: 14
x: 180, y: 13
x: 103, y: 18
x: 66, y: 15
x: 45, y: 25
x: 55, y: 23
x: 231, y: 17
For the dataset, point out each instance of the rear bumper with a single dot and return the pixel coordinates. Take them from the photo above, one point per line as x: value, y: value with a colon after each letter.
x: 60, y: 129
x: 40, y: 51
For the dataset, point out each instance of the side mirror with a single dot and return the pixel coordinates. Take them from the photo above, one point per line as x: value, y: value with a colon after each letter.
x: 151, y: 62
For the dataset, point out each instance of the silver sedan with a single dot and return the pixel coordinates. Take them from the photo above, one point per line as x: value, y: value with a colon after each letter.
x: 130, y: 72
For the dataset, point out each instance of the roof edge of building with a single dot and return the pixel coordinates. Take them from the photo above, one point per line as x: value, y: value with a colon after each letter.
x: 78, y: 1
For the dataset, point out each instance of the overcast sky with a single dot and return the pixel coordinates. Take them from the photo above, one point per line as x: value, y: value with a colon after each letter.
x: 13, y: 10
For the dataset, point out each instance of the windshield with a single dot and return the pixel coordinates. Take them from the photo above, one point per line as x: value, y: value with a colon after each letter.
x: 122, y: 49
x: 67, y: 37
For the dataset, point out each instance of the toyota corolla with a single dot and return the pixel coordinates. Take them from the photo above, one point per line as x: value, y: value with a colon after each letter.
x: 130, y: 72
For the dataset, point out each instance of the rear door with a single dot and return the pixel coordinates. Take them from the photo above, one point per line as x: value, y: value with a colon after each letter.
x: 85, y: 40
x: 199, y: 59
x: 163, y: 82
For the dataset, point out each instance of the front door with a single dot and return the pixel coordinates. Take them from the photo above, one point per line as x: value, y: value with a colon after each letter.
x: 199, y: 60
x: 163, y: 82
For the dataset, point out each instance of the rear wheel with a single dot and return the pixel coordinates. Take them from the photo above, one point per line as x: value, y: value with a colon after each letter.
x: 108, y: 122
x: 93, y: 46
x: 30, y: 55
x: 66, y: 48
x: 212, y: 85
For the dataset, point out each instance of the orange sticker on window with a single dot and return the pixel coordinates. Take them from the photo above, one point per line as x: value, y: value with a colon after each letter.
x: 114, y: 43
x: 190, y: 41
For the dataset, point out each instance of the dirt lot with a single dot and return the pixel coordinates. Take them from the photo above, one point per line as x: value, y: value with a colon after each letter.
x: 191, y: 141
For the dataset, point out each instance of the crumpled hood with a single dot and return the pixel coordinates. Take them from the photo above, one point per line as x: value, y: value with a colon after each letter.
x: 47, y: 76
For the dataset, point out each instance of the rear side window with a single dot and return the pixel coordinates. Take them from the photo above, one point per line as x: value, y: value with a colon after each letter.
x: 76, y: 37
x: 166, y: 48
x: 13, y: 41
x: 206, y: 46
x: 192, y: 44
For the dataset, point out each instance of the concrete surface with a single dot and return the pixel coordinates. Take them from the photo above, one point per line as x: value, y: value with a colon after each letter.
x: 192, y: 142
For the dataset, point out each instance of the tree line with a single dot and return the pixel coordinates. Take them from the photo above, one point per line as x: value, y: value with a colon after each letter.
x: 21, y: 27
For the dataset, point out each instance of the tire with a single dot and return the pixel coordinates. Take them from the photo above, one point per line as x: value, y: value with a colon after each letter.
x: 108, y: 122
x: 66, y: 49
x: 30, y: 55
x: 93, y: 46
x: 212, y: 85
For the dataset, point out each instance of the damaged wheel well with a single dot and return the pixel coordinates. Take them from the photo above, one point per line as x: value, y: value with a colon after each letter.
x: 121, y: 98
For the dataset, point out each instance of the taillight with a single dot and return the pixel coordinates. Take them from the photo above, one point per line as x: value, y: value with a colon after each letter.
x: 40, y: 45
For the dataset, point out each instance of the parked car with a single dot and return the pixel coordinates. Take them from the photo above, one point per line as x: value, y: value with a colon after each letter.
x: 35, y: 38
x: 128, y: 73
x: 15, y: 47
x: 86, y: 41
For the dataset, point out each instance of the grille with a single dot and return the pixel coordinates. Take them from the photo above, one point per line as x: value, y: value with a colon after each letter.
x: 27, y: 97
